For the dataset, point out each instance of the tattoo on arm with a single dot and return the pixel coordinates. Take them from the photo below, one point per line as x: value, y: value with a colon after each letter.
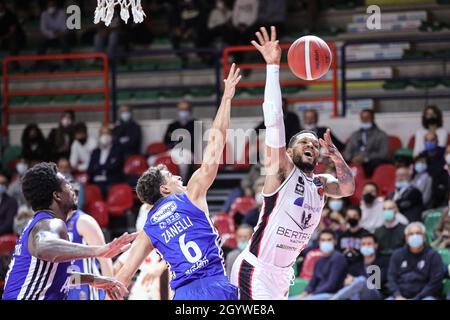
x: 345, y: 186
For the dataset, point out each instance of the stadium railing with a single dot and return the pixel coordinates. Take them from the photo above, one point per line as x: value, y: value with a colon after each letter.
x: 415, y: 95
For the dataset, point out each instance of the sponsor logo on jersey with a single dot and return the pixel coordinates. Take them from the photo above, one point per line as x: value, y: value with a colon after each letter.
x: 304, y: 222
x: 163, y: 212
x: 18, y: 249
x: 198, y: 265
x: 300, y: 187
x: 285, y: 247
x: 299, y: 201
x: 319, y: 185
x: 293, y: 235
x: 177, y: 228
x: 313, y: 209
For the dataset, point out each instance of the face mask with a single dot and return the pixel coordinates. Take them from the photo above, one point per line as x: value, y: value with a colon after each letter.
x: 21, y: 168
x: 353, y: 222
x: 66, y: 122
x: 388, y: 215
x: 401, y: 184
x: 105, y: 139
x: 309, y: 126
x: 125, y: 116
x: 447, y: 158
x: 368, y: 198
x: 259, y: 199
x: 415, y: 241
x: 429, y: 146
x: 2, y: 189
x: 335, y: 205
x: 420, y: 167
x: 184, y: 115
x: 326, y: 246
x: 367, y: 251
x: 243, y: 245
x: 82, y: 140
x: 431, y: 121
x: 366, y: 125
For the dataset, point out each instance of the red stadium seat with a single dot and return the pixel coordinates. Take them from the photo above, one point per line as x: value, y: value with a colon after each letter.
x: 360, y: 181
x: 411, y: 142
x: 166, y: 160
x: 394, y: 144
x: 225, y: 227
x: 309, y: 263
x: 384, y: 178
x: 156, y: 148
x: 120, y: 199
x: 99, y: 211
x: 242, y: 205
x: 7, y: 243
x: 135, y: 165
x: 92, y: 193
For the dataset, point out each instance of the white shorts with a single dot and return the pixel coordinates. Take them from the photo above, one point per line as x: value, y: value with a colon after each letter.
x: 257, y: 280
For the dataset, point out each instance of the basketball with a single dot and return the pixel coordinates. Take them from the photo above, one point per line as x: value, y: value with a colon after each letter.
x: 309, y: 58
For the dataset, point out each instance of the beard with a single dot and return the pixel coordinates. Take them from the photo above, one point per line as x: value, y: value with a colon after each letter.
x: 304, y: 166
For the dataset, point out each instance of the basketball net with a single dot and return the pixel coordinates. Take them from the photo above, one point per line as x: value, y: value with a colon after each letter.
x: 105, y: 11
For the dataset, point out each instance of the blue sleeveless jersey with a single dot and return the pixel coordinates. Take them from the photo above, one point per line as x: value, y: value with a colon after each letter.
x: 186, y: 239
x: 89, y: 265
x: 30, y: 278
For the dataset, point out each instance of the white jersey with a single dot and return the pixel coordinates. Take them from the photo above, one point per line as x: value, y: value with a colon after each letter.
x: 288, y: 219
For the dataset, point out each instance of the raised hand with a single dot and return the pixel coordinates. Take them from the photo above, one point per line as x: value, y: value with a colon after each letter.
x: 330, y: 149
x: 118, y: 245
x: 269, y: 47
x: 114, y: 288
x: 231, y: 82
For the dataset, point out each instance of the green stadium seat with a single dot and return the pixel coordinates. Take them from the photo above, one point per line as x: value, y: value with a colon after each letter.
x: 446, y: 82
x: 256, y: 91
x: 144, y: 66
x: 123, y: 68
x: 147, y: 95
x: 395, y: 84
x: 431, y: 220
x: 40, y: 99
x: 173, y: 93
x: 424, y: 84
x: 292, y: 89
x: 170, y: 65
x: 298, y: 287
x: 66, y: 98
x: 201, y: 92
x: 11, y: 153
x: 18, y: 100
x: 445, y: 255
x: 446, y: 287
x: 125, y: 95
x: 91, y: 97
x: 441, y: 53
x: 414, y: 54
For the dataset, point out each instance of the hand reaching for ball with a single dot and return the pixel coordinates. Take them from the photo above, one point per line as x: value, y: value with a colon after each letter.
x: 269, y: 47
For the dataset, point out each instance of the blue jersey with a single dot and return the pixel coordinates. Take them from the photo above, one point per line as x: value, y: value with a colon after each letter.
x: 89, y: 265
x: 186, y: 239
x: 30, y: 278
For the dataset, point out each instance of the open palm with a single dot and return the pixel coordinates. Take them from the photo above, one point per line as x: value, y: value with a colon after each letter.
x: 269, y: 47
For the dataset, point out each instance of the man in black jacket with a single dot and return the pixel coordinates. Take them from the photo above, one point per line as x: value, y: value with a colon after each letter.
x: 127, y: 132
x: 8, y: 208
x: 407, y: 197
x: 416, y: 271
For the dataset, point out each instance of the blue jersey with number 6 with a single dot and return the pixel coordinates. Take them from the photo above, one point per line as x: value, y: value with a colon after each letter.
x: 186, y: 239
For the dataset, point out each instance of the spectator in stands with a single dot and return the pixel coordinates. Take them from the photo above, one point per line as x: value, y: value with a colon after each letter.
x: 291, y: 122
x: 444, y: 221
x: 107, y: 39
x: 219, y: 22
x: 391, y: 234
x: 435, y: 157
x: 12, y: 36
x: 252, y: 216
x: 142, y: 33
x: 24, y: 215
x: 371, y: 207
x: 329, y: 271
x: 349, y: 242
x: 333, y: 217
x: 54, y: 29
x: 81, y: 148
x: 272, y: 13
x: 60, y: 138
x: 64, y: 168
x: 403, y: 157
x: 443, y: 241
x: 127, y: 132
x: 369, y: 145
x: 422, y: 180
x: 106, y: 164
x: 407, y: 197
x: 415, y: 270
x: 356, y: 282
x: 34, y: 145
x: 243, y: 234
x: 310, y: 121
x: 15, y: 188
x: 431, y: 122
x: 8, y: 207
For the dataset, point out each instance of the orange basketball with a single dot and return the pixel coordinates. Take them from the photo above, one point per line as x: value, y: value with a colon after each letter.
x: 309, y: 58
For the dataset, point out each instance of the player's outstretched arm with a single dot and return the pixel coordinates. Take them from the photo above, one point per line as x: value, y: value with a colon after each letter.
x: 203, y: 178
x: 49, y: 241
x: 277, y: 161
x: 344, y: 183
x: 139, y: 251
x: 114, y: 288
x: 91, y: 232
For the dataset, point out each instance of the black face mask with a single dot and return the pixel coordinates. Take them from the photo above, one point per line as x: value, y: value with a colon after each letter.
x: 431, y: 121
x: 368, y: 198
x: 353, y: 222
x: 82, y: 141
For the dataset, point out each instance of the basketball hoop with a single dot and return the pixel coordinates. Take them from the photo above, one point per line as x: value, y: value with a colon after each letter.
x: 105, y: 11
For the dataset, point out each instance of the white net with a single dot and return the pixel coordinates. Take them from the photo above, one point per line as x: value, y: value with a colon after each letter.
x: 105, y: 11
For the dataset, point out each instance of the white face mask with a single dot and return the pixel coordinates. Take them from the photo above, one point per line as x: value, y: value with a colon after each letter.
x: 105, y: 140
x: 309, y: 126
x: 21, y: 168
x: 259, y: 199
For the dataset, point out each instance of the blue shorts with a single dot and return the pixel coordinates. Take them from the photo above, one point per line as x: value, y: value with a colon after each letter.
x: 209, y: 288
x: 85, y: 292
